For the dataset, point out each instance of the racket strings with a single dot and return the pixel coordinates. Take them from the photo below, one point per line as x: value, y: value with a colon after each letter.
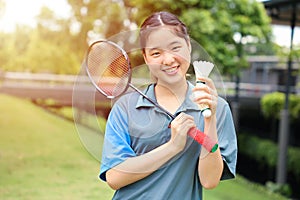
x: 109, y: 68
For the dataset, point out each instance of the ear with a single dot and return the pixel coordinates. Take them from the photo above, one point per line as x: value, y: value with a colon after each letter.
x: 145, y: 57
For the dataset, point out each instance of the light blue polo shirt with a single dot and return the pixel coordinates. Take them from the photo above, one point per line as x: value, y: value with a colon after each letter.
x: 135, y: 126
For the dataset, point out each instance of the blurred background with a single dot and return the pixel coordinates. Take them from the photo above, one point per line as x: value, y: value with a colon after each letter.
x: 43, y: 131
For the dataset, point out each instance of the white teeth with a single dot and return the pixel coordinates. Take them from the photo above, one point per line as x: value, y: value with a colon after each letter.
x: 170, y: 70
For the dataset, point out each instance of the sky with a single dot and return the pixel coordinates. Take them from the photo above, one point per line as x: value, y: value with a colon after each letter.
x: 25, y: 11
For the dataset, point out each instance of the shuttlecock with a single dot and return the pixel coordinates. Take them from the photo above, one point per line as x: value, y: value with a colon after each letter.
x: 202, y: 68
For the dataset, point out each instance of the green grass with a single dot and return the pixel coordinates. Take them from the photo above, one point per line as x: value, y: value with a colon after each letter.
x: 240, y: 189
x: 42, y: 157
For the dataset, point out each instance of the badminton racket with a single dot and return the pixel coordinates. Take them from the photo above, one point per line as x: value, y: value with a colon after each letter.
x: 108, y: 67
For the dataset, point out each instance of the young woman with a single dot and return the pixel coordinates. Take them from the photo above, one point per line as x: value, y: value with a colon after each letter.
x: 146, y: 154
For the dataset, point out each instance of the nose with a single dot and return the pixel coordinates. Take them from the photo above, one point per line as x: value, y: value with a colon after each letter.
x: 168, y: 58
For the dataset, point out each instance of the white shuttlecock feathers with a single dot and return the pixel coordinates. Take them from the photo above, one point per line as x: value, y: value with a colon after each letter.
x: 202, y: 68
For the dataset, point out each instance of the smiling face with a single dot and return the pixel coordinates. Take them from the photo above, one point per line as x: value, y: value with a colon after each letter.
x: 168, y: 56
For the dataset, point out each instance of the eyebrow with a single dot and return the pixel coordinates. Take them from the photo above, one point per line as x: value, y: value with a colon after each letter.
x: 175, y: 42
x: 172, y: 43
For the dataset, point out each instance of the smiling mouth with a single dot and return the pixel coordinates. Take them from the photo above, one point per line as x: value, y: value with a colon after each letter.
x: 171, y: 70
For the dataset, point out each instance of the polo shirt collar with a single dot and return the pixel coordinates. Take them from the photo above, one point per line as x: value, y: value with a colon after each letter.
x: 188, y: 104
x: 149, y: 92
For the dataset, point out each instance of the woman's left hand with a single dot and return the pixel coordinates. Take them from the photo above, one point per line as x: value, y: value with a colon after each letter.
x: 207, y: 94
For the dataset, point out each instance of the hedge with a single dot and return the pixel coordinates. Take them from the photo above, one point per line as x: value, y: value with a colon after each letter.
x: 272, y: 103
x: 265, y: 152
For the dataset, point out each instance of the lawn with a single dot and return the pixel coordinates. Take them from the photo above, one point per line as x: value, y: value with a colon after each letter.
x: 42, y: 157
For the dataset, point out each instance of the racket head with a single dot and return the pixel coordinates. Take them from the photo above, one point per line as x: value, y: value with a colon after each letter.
x: 108, y: 67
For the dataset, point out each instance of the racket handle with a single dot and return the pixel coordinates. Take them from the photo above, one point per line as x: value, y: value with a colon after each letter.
x: 203, y: 139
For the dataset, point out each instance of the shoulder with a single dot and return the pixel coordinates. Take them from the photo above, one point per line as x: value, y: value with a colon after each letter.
x: 134, y: 99
x: 222, y: 102
x: 223, y: 113
x: 127, y: 99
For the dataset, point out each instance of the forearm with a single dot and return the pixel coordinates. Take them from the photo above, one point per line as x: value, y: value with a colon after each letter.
x: 210, y: 170
x: 210, y: 164
x: 139, y: 167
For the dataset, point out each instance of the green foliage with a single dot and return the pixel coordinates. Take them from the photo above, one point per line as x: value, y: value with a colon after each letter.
x: 272, y: 103
x: 266, y: 154
x: 55, y: 46
x: 296, y: 53
x: 278, y: 188
x: 101, y: 19
x: 266, y: 151
x: 31, y: 53
x: 46, y: 49
x: 285, y: 52
x: 214, y: 23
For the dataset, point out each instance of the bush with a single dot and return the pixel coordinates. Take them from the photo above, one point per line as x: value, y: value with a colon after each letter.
x: 266, y: 151
x: 278, y: 188
x: 273, y: 103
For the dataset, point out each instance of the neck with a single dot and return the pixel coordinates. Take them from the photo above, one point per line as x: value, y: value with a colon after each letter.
x: 174, y: 95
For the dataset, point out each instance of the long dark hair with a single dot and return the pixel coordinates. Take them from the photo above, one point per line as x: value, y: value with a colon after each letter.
x: 159, y: 19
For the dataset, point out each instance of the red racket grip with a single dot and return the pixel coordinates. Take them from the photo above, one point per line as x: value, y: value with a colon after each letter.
x: 203, y: 139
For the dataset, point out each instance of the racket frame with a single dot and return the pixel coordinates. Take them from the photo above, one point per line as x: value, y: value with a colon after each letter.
x: 90, y: 76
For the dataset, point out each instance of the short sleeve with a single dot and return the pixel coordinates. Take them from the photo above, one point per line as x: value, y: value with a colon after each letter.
x: 227, y: 139
x: 116, y: 147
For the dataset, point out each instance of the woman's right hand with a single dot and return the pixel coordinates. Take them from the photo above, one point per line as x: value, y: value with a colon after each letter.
x: 179, y: 130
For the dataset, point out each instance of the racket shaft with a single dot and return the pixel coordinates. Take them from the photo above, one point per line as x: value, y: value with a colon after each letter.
x: 196, y: 134
x: 151, y: 101
x: 203, y: 139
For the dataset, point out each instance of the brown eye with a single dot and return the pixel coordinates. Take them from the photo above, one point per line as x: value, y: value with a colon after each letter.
x: 155, y: 54
x: 176, y: 48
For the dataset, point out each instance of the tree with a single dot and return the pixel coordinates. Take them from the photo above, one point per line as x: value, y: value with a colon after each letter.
x: 221, y: 27
x: 96, y: 19
x: 215, y: 24
x: 46, y: 49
